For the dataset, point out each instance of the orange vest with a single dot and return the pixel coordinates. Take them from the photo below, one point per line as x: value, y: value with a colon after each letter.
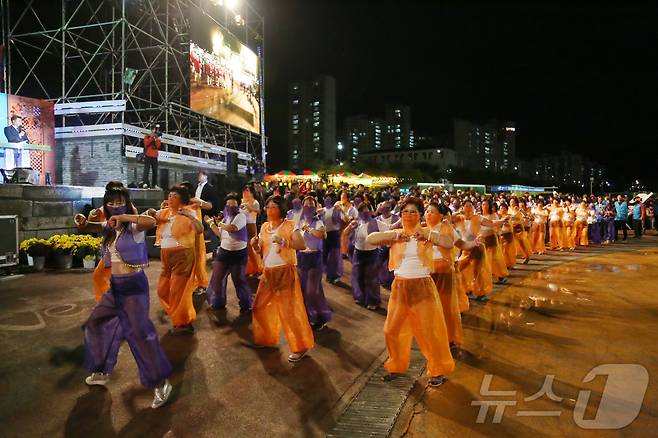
x: 182, y: 228
x: 285, y: 232
x: 424, y: 249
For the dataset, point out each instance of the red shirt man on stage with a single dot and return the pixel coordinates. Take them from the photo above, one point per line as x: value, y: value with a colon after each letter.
x: 151, y: 147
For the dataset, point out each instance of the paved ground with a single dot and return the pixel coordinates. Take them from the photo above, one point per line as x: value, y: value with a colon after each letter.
x: 225, y: 389
x: 563, y: 321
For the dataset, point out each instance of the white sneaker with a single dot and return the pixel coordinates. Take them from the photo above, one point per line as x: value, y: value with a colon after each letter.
x: 145, y: 186
x: 161, y: 394
x: 157, y: 187
x: 296, y: 357
x: 100, y: 379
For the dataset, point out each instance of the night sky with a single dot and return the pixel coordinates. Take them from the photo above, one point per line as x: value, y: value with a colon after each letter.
x: 577, y: 77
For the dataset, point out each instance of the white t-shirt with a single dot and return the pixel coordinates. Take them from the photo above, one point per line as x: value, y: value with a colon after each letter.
x: 167, y: 240
x: 251, y: 216
x: 273, y: 258
x: 386, y: 221
x: 411, y: 266
x: 361, y: 235
x: 228, y: 242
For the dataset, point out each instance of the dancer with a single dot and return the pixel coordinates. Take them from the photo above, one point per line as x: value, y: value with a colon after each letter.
x: 473, y: 262
x: 179, y: 227
x: 309, y: 265
x: 556, y: 229
x: 568, y: 218
x: 197, y: 204
x: 507, y: 238
x: 538, y: 229
x: 517, y: 216
x: 295, y: 213
x: 231, y: 256
x: 279, y: 303
x: 251, y: 208
x: 581, y: 225
x: 387, y: 219
x: 365, y: 259
x: 492, y: 244
x: 123, y: 312
x: 332, y: 217
x: 414, y: 309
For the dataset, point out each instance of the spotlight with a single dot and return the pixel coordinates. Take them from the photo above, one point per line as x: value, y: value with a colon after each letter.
x: 231, y: 4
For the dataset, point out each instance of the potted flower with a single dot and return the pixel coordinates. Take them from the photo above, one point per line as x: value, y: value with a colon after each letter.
x: 63, y: 246
x: 37, y: 250
x: 89, y: 249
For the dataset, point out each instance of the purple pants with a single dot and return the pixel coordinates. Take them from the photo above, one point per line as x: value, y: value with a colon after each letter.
x: 385, y: 276
x: 123, y: 313
x: 609, y: 232
x: 234, y: 263
x: 365, y: 278
x: 331, y: 256
x: 309, y: 268
x: 594, y: 232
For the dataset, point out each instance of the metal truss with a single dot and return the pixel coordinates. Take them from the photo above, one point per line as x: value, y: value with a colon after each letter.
x: 73, y: 51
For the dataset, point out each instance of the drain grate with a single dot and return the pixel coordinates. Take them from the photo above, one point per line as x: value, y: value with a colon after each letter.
x: 374, y: 410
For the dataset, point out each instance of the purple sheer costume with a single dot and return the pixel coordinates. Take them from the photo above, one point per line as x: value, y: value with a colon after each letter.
x: 331, y: 256
x: 123, y: 313
x: 230, y: 258
x: 365, y: 268
x: 309, y: 268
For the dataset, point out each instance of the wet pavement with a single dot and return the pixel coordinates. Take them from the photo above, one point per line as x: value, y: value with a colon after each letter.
x: 563, y: 321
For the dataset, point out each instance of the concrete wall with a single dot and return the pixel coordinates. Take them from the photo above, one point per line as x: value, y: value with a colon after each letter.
x: 91, y: 161
x: 47, y: 210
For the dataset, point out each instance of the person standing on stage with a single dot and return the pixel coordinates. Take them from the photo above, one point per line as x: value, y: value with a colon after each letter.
x: 414, y: 308
x: 16, y: 135
x: 179, y: 227
x: 231, y: 256
x: 309, y: 265
x: 279, y: 303
x: 152, y: 145
x: 123, y: 312
x: 332, y: 217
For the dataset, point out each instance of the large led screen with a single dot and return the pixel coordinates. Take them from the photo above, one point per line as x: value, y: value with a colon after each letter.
x: 224, y: 75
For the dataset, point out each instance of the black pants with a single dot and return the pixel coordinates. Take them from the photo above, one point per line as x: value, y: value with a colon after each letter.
x: 637, y: 227
x: 620, y: 225
x: 153, y: 164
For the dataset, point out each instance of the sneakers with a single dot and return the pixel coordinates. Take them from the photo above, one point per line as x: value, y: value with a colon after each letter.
x: 99, y: 379
x: 296, y: 357
x: 157, y: 187
x: 372, y: 307
x: 161, y: 394
x: 437, y: 381
x: 320, y: 326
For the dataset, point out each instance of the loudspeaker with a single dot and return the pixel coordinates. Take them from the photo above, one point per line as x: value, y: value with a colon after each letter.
x: 8, y: 240
x: 232, y: 164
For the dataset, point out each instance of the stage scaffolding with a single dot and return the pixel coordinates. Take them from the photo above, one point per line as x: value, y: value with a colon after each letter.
x: 75, y: 51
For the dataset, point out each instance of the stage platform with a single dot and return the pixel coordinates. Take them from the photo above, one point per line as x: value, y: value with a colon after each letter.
x: 47, y: 210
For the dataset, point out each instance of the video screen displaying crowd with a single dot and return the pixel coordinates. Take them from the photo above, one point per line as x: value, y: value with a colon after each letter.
x: 436, y: 251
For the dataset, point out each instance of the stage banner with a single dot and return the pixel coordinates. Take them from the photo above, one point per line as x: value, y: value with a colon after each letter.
x: 39, y: 124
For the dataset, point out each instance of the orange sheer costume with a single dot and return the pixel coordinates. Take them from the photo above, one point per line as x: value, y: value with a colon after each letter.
x: 538, y: 230
x: 580, y: 228
x: 101, y: 276
x: 520, y: 235
x: 569, y: 229
x: 556, y: 230
x: 415, y: 311
x: 495, y: 257
x: 178, y: 278
x: 279, y: 303
x: 473, y: 263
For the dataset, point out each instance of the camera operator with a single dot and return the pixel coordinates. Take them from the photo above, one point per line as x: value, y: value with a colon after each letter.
x: 151, y: 147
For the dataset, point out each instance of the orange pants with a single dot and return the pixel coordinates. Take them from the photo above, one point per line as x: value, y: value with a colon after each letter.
x: 495, y: 258
x: 279, y: 304
x: 475, y: 271
x: 444, y: 279
x: 508, y: 249
x: 522, y: 244
x: 569, y: 237
x: 464, y: 305
x: 414, y: 311
x: 177, y: 283
x: 537, y: 238
x: 580, y: 234
x: 557, y: 235
x: 101, y: 279
x: 254, y: 261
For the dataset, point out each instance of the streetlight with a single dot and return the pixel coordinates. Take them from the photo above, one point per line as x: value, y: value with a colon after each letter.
x: 591, y: 181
